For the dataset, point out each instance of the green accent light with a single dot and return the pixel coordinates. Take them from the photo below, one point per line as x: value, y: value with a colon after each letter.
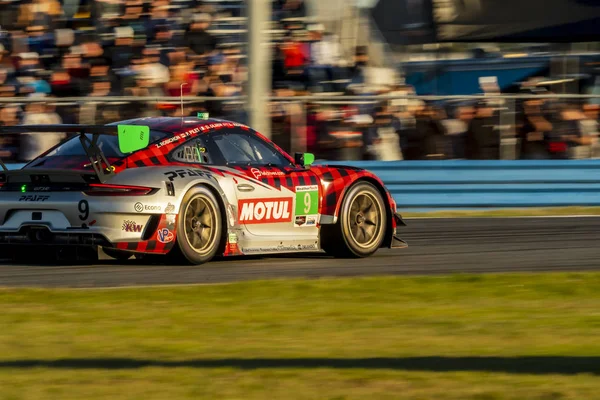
x: 203, y: 115
x: 23, y: 188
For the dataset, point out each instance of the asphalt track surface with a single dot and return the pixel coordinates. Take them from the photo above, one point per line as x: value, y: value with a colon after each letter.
x: 475, y: 245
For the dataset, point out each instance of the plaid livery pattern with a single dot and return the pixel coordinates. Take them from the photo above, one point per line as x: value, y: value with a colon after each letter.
x: 289, y: 177
x: 336, y: 180
x: 153, y: 245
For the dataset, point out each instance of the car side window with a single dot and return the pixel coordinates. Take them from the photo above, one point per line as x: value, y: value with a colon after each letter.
x: 243, y: 148
x: 193, y: 151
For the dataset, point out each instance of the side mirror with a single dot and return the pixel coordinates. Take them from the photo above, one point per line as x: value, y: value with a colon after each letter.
x: 304, y: 159
x: 133, y: 137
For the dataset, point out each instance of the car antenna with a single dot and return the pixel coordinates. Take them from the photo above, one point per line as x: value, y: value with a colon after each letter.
x: 181, y: 99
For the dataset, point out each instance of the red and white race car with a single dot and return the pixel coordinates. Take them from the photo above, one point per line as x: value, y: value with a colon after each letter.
x: 189, y: 189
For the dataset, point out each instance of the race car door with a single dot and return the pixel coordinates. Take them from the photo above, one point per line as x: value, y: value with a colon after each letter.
x: 274, y: 198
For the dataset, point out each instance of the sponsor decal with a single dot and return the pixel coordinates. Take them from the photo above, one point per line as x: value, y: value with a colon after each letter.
x: 256, y: 172
x: 280, y: 248
x: 178, y: 137
x: 171, y: 219
x: 34, y: 198
x: 169, y: 208
x: 264, y: 211
x: 181, y: 173
x: 131, y: 226
x: 259, y: 174
x: 232, y: 245
x: 139, y: 207
x: 165, y: 235
x: 196, y: 130
x: 307, y: 206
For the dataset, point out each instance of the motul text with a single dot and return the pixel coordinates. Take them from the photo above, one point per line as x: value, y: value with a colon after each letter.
x: 265, y: 211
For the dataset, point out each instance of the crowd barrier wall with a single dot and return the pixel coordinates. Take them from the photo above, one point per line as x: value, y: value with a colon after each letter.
x: 461, y: 184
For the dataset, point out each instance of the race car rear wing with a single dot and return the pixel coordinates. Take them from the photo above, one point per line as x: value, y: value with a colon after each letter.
x: 131, y: 138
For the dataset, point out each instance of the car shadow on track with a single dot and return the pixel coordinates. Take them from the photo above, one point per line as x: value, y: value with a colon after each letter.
x: 515, y: 365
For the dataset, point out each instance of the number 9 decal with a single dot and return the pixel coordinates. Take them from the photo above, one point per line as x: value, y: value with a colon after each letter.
x: 84, y: 209
x: 307, y: 205
x: 307, y: 202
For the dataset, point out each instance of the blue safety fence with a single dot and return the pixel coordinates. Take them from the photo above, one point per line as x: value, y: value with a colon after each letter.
x: 459, y: 184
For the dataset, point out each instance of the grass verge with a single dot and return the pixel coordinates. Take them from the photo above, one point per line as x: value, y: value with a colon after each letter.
x: 505, y: 212
x: 506, y: 336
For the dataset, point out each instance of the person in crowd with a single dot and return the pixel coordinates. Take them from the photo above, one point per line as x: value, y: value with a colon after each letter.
x: 33, y: 144
x: 457, y: 128
x: 325, y: 56
x: 531, y: 132
x: 386, y: 129
x: 123, y: 51
x: 294, y: 9
x: 9, y: 144
x: 153, y: 74
x: 483, y: 135
x: 8, y: 87
x: 281, y: 131
x: 557, y: 138
x: 296, y: 58
x: 591, y: 128
x: 567, y: 135
x: 361, y: 61
x: 201, y: 42
x: 9, y: 15
x: 427, y: 140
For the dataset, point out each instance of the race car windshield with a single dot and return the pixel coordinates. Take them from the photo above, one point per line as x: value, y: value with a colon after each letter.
x: 108, y: 144
x: 244, y: 149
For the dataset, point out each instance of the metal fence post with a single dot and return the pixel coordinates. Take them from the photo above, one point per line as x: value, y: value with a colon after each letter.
x: 259, y: 75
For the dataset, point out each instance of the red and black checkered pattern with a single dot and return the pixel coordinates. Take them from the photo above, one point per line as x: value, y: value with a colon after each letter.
x: 288, y: 178
x: 153, y: 245
x: 336, y: 180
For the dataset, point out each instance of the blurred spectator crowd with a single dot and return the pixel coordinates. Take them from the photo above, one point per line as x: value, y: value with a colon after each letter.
x: 53, y: 49
x: 486, y: 129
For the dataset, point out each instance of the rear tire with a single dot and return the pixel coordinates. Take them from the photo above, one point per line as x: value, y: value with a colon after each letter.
x: 199, y: 227
x: 361, y: 225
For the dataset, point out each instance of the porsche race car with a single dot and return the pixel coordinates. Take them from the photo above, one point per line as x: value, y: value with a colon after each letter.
x: 188, y: 189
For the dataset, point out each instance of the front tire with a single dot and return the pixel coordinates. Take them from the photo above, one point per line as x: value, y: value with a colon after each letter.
x: 199, y: 226
x: 361, y: 225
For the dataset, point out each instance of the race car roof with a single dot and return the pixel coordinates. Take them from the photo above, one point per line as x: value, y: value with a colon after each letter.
x: 170, y: 124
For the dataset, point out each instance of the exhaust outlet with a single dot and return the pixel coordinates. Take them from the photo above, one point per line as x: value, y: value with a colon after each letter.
x: 39, y: 235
